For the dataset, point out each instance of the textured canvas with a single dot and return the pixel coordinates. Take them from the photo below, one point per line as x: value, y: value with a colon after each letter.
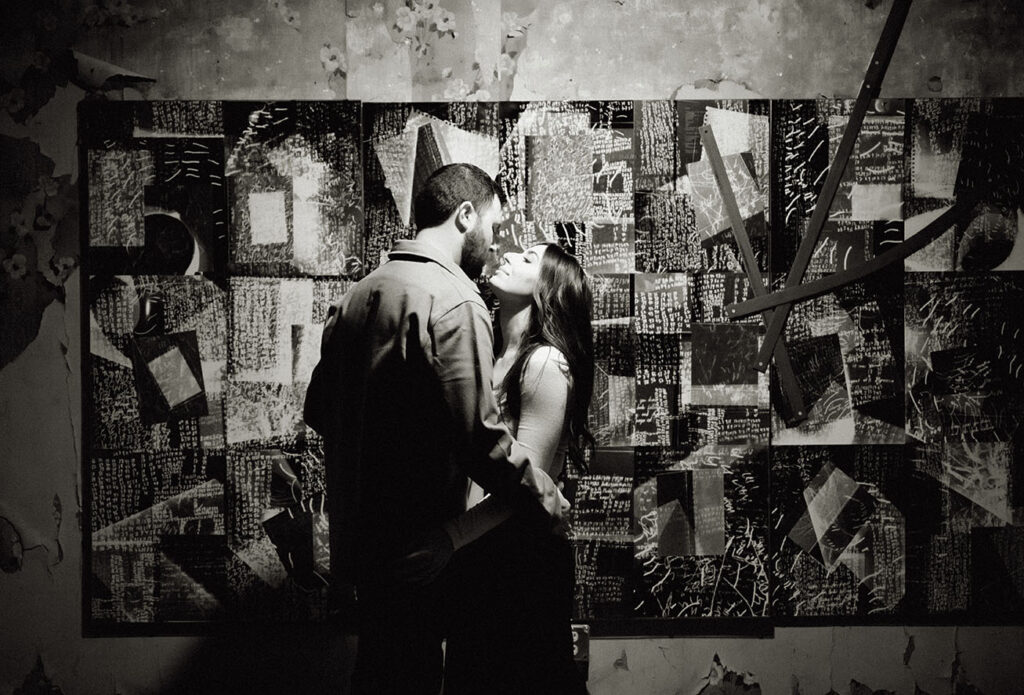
x: 219, y: 234
x: 155, y: 341
x: 839, y: 539
x: 295, y: 188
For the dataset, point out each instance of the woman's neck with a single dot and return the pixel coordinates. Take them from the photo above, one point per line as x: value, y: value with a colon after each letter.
x: 514, y: 320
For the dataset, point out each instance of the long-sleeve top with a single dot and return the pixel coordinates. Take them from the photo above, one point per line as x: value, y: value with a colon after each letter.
x: 542, y: 430
x: 402, y: 396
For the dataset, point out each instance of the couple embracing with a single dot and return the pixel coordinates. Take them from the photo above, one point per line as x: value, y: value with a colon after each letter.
x: 442, y: 461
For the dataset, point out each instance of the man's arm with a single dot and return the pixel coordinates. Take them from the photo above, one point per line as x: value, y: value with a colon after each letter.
x: 463, y: 354
x: 316, y: 408
x: 544, y: 398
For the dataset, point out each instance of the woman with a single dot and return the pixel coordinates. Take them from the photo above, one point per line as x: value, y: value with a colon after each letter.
x: 512, y: 604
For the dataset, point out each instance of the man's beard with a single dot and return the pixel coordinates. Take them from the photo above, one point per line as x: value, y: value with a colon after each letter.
x: 474, y: 251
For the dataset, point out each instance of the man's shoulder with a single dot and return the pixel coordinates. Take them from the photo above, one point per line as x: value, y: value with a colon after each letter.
x: 422, y: 281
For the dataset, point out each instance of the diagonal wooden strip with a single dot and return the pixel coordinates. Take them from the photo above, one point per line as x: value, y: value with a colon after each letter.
x: 868, y: 91
x: 797, y: 411
x: 809, y: 290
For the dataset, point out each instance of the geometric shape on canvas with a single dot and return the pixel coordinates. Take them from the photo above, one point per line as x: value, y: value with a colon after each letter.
x: 273, y: 347
x: 168, y: 377
x: 655, y: 416
x: 613, y: 296
x: 613, y: 175
x: 876, y: 201
x: 731, y: 130
x: 291, y: 532
x: 122, y: 583
x: 741, y: 132
x: 820, y: 365
x: 261, y: 558
x: 708, y: 204
x: 878, y: 559
x: 721, y: 369
x: 978, y: 471
x: 116, y: 181
x: 675, y: 529
x: 662, y: 302
x: 611, y: 410
x: 659, y: 357
x: 268, y: 221
x: 691, y: 512
x: 871, y: 184
x: 938, y: 255
x: 156, y: 204
x: 992, y: 164
x: 838, y: 508
x: 397, y: 158
x: 467, y: 146
x: 879, y: 150
x: 988, y: 240
x: 172, y: 374
x: 938, y: 127
x: 191, y: 577
x: 430, y: 156
x: 295, y: 188
x: 559, y: 186
x: 198, y: 511
x: 709, y: 510
x: 144, y: 317
x: 609, y: 248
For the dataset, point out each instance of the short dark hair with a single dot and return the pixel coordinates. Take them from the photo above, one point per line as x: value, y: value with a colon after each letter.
x: 449, y: 187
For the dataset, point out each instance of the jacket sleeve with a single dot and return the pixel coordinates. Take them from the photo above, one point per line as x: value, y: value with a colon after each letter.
x: 545, y: 394
x: 318, y: 404
x: 483, y: 447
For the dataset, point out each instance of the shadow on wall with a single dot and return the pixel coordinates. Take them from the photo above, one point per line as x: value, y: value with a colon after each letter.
x: 260, y: 659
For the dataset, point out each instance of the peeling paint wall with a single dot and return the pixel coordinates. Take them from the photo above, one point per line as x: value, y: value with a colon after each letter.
x: 369, y: 50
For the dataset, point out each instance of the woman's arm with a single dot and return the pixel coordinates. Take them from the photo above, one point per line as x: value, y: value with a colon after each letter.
x: 545, y: 396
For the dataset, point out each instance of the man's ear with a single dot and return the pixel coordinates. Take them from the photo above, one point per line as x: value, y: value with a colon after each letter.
x: 465, y: 216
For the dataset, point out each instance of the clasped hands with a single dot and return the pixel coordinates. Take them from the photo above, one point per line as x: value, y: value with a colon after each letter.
x: 425, y: 559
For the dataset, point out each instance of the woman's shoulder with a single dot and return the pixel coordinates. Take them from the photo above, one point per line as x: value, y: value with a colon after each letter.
x: 545, y: 362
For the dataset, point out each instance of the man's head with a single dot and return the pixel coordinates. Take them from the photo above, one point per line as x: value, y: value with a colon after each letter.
x: 465, y: 196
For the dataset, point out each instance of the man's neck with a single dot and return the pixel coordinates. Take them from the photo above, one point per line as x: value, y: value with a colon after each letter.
x: 445, y: 238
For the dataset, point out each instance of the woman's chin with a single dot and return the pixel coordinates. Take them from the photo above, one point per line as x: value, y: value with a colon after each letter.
x: 494, y: 282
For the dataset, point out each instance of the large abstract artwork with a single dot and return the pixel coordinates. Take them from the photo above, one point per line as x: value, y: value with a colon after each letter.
x: 220, y: 233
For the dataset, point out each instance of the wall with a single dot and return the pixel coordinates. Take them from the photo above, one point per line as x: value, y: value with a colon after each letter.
x: 315, y: 49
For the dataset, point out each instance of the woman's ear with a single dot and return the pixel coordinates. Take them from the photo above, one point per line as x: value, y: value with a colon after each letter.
x: 465, y: 216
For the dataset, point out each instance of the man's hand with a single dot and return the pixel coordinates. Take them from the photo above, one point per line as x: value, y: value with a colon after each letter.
x: 561, y: 525
x: 549, y: 495
x: 552, y: 499
x: 423, y: 562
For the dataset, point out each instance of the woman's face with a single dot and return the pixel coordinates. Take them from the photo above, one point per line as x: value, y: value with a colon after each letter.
x: 518, y: 273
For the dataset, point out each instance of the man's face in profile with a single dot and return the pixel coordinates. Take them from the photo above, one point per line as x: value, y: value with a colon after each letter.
x: 478, y: 239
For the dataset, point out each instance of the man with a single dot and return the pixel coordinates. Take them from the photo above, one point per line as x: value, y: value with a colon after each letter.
x: 402, y: 396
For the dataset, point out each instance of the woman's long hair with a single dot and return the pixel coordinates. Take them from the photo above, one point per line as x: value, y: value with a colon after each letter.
x: 560, y: 316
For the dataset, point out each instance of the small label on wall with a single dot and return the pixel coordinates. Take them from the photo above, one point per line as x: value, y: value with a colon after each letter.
x: 581, y: 649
